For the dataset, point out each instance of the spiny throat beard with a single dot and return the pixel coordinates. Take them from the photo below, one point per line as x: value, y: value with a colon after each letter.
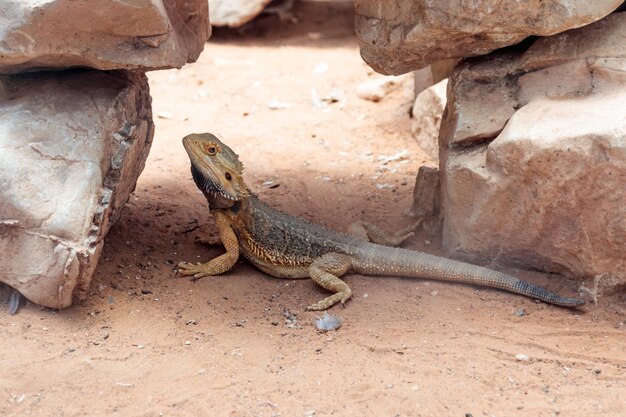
x: 208, y: 187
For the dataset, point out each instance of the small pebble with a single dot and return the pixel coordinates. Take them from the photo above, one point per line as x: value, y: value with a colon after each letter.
x: 522, y: 357
x: 520, y: 312
x: 376, y: 89
x: 320, y: 68
x: 434, y: 293
x: 278, y: 105
x: 328, y: 322
x: 597, y: 371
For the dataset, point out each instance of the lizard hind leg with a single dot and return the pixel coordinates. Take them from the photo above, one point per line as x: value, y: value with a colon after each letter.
x: 325, y: 271
x: 374, y: 234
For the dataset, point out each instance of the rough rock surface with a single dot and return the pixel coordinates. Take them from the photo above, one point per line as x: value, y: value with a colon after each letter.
x: 533, y: 154
x: 72, y: 144
x: 427, y: 111
x: 398, y: 36
x: 234, y: 13
x: 427, y: 193
x: 102, y: 34
x: 432, y: 74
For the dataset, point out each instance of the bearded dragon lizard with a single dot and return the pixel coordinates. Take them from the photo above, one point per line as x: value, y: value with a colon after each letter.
x: 286, y: 246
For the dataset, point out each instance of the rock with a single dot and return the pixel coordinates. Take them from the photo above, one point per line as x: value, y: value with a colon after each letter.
x: 377, y: 88
x: 142, y: 34
x: 427, y: 193
x: 15, y: 300
x: 522, y: 357
x: 235, y: 13
x: 422, y: 79
x: 73, y: 144
x: 398, y: 36
x: 427, y: 111
x: 604, y: 285
x: 328, y: 322
x: 432, y: 74
x: 533, y: 154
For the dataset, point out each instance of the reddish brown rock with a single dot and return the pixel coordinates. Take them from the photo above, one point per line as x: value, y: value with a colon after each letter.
x: 398, y: 36
x: 533, y: 154
x: 72, y: 144
x: 102, y: 34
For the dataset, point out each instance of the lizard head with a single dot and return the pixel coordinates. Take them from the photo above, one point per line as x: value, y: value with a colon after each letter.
x: 216, y: 170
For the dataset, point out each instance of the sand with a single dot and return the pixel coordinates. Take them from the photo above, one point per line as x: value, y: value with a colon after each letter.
x: 147, y: 343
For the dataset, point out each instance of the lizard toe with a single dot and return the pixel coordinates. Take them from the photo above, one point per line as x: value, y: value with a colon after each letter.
x: 185, y: 268
x: 200, y: 275
x: 316, y: 307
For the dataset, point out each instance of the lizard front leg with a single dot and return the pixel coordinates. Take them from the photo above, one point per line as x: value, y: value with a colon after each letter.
x: 223, y: 262
x: 368, y: 231
x: 325, y: 271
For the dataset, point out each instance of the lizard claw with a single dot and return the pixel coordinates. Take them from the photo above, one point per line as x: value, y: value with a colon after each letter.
x: 185, y: 268
x: 198, y: 270
x: 200, y: 275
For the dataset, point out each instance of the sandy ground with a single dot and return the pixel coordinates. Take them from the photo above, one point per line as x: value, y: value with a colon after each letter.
x: 148, y: 344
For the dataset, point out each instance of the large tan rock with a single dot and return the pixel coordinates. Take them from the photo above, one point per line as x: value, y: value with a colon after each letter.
x: 426, y: 114
x: 102, y: 34
x: 72, y: 145
x: 398, y: 36
x: 235, y: 13
x: 533, y: 154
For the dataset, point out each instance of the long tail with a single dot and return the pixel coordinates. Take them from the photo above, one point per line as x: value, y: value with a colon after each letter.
x: 373, y: 259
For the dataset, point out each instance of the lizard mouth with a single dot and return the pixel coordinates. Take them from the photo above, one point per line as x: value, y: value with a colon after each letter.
x: 209, y: 186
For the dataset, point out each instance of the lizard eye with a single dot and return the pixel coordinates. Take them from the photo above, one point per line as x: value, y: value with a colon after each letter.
x: 228, y: 176
x: 210, y: 149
